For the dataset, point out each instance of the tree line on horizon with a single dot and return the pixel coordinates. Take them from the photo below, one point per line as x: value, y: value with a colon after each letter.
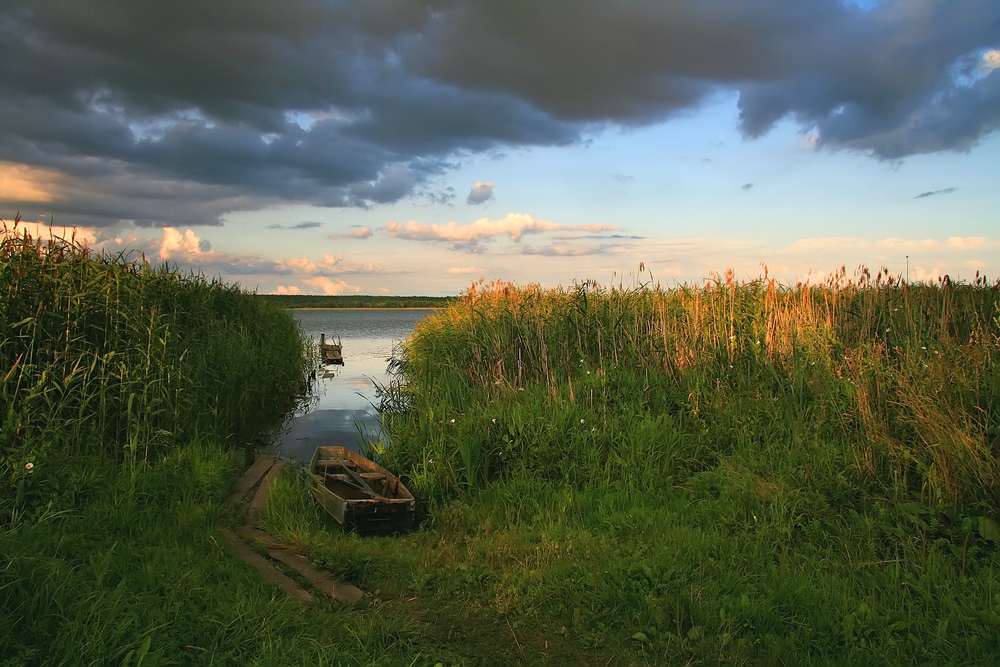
x: 355, y: 301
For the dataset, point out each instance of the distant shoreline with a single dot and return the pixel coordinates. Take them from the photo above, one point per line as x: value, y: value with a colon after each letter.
x: 360, y: 302
x: 364, y: 307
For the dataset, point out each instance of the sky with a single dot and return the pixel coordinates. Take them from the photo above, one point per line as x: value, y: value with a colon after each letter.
x: 413, y: 148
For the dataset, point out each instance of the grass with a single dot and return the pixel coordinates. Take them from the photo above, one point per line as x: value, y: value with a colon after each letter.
x: 127, y: 395
x: 138, y: 575
x: 732, y: 473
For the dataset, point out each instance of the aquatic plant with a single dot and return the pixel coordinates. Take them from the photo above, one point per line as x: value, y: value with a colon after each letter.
x: 899, y: 378
x: 111, y: 357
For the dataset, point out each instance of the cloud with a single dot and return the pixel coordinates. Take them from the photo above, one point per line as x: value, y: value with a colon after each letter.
x: 828, y: 242
x: 746, y: 187
x: 990, y: 61
x: 931, y: 193
x: 175, y: 243
x: 177, y: 115
x: 446, y: 197
x: 23, y: 184
x: 302, y: 225
x: 327, y: 265
x: 465, y: 270
x: 43, y: 231
x: 567, y: 250
x: 329, y: 286
x: 359, y: 232
x: 481, y: 192
x: 812, y: 260
x: 950, y: 243
x: 513, y: 225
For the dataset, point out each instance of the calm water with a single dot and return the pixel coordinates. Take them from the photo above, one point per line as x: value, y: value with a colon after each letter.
x: 342, y: 404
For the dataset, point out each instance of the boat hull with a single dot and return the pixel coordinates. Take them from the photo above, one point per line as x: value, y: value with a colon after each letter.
x: 359, y: 494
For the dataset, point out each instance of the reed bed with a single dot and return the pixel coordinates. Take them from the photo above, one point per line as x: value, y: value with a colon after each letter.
x: 900, y: 379
x: 111, y: 358
x: 734, y: 472
x: 127, y: 392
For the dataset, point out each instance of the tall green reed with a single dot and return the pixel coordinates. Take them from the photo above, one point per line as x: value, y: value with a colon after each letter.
x: 111, y: 357
x: 899, y: 379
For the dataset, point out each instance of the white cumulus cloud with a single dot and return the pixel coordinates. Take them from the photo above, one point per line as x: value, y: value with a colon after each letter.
x: 513, y: 226
x: 330, y: 286
x: 175, y: 243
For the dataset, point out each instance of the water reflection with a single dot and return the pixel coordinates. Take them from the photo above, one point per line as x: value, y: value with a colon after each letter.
x: 342, y: 406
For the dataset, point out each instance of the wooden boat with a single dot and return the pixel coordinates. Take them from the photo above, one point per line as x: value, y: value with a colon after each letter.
x: 358, y: 493
x: 331, y: 350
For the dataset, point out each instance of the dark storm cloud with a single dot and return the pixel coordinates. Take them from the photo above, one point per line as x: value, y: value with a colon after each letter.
x: 173, y: 113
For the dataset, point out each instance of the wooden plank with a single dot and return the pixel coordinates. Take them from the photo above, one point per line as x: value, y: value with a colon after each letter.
x: 265, y: 568
x: 259, y: 501
x: 250, y: 479
x: 320, y: 579
x: 352, y: 481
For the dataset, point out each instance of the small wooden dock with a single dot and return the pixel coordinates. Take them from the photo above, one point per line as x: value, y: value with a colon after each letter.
x: 331, y: 351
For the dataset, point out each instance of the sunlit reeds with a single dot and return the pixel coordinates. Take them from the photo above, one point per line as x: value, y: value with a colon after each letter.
x: 899, y: 379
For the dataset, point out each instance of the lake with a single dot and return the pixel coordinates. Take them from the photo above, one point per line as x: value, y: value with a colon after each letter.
x: 343, y: 402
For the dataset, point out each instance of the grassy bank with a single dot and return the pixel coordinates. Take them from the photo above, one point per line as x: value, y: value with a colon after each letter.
x: 732, y: 473
x: 126, y: 394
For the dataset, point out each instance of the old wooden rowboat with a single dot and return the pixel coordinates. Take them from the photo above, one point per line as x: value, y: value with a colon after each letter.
x: 358, y: 493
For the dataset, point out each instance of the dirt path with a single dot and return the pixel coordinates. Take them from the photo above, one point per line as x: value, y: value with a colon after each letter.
x: 246, y: 502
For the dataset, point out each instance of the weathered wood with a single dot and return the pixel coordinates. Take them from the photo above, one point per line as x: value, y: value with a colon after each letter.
x: 346, y: 479
x: 332, y: 352
x: 259, y: 501
x: 258, y: 479
x: 250, y: 479
x: 350, y: 503
x: 265, y: 568
x: 320, y: 579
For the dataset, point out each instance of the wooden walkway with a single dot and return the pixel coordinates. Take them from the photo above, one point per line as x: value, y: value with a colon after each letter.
x: 246, y: 502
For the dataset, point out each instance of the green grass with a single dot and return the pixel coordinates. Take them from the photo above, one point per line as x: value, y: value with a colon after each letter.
x: 139, y: 575
x: 113, y: 357
x: 127, y: 395
x: 733, y: 473
x: 729, y: 473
